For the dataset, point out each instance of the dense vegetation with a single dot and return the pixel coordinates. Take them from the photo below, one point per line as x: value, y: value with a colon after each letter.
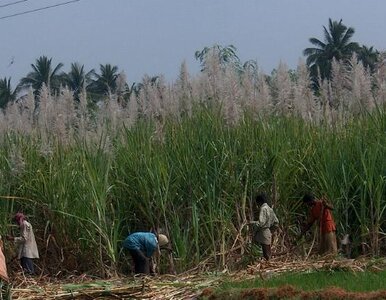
x: 186, y: 157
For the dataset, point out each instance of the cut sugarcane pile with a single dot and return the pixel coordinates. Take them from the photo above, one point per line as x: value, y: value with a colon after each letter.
x: 161, y: 287
x: 277, y: 266
x: 184, y: 286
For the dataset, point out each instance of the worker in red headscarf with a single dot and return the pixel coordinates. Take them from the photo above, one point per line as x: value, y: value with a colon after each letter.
x: 321, y: 211
x: 27, y: 248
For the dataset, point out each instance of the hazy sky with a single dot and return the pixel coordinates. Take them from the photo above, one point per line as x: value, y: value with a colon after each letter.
x: 154, y: 36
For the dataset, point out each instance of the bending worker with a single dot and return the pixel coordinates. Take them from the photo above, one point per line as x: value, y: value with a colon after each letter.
x: 28, y: 249
x: 142, y: 246
x: 320, y: 211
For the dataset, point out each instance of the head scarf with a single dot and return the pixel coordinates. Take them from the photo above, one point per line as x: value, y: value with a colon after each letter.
x: 19, y: 217
x: 162, y: 240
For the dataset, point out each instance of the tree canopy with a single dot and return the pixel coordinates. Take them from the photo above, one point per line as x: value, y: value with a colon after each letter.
x: 336, y: 44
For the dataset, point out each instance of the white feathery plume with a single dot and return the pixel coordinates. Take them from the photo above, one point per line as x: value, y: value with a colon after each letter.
x: 45, y: 112
x: 183, y: 91
x: 359, y: 81
x: 82, y: 120
x: 121, y: 82
x: 304, y: 99
x: 171, y: 103
x: 324, y: 99
x: 3, y: 123
x: 338, y: 98
x: 154, y: 102
x: 12, y: 117
x: 284, y: 101
x: 28, y: 110
x: 380, y: 81
x: 213, y: 71
x: 132, y: 108
x: 230, y: 96
x: 264, y: 101
x: 249, y: 89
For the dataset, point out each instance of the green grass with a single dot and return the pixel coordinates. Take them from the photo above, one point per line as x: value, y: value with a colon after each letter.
x: 350, y: 281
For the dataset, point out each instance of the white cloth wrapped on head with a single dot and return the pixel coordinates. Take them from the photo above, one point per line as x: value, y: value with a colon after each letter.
x: 162, y: 240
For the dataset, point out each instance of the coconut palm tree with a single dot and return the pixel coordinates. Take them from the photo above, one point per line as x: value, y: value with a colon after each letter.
x: 226, y: 56
x: 77, y: 79
x: 105, y: 83
x: 7, y: 94
x: 336, y: 45
x: 369, y: 57
x: 43, y: 73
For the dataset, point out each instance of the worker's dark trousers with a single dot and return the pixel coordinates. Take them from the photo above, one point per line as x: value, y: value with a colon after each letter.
x: 141, y: 263
x: 27, y: 265
x: 266, y: 251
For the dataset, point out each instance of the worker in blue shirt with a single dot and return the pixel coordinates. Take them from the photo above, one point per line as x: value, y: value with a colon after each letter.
x: 142, y: 245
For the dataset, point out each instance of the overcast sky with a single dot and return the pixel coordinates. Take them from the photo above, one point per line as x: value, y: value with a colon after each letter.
x: 154, y: 36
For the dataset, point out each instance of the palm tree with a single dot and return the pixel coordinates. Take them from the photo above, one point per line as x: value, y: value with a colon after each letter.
x: 226, y: 56
x: 43, y: 73
x: 250, y: 66
x: 7, y: 94
x: 137, y: 87
x: 105, y: 83
x: 369, y: 57
x: 337, y: 45
x: 77, y: 79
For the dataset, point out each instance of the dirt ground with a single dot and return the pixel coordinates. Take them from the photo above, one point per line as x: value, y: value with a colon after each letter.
x: 290, y: 292
x: 196, y: 284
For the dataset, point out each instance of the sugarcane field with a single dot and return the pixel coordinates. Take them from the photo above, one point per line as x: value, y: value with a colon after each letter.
x: 228, y: 183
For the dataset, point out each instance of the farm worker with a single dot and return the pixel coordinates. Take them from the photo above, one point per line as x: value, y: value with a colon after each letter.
x: 265, y: 224
x: 3, y: 265
x: 28, y: 249
x: 320, y: 210
x: 142, y: 246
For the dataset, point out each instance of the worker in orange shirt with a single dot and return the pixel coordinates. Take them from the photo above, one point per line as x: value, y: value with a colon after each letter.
x: 321, y: 211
